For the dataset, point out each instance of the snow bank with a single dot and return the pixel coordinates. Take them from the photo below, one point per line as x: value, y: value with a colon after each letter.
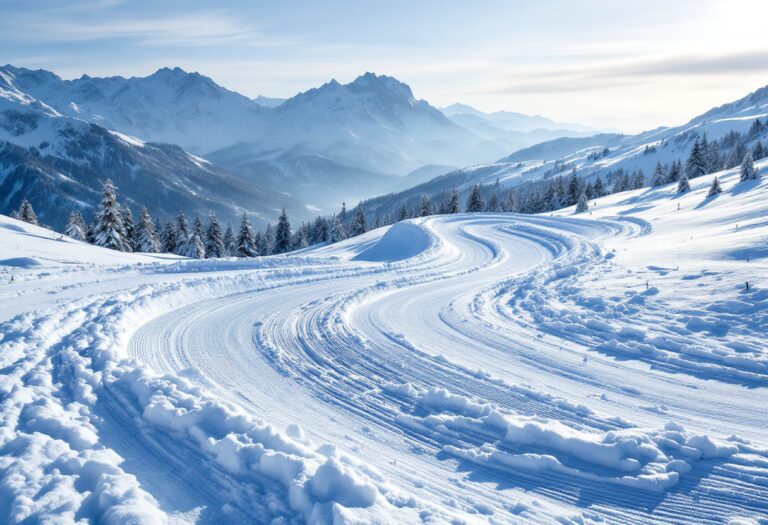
x: 401, y: 241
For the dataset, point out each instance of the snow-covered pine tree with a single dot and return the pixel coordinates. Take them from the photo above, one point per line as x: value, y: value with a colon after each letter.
x: 638, y: 180
x: 674, y: 172
x: 109, y: 231
x: 426, y: 206
x: 245, y: 247
x: 320, y: 231
x: 269, y: 241
x: 403, y: 215
x: 214, y: 240
x: 129, y: 227
x: 343, y: 214
x: 598, y: 188
x: 337, y: 232
x: 229, y: 241
x: 258, y: 244
x: 475, y: 200
x: 574, y: 188
x: 197, y: 227
x: 169, y: 237
x: 713, y: 158
x: 683, y: 185
x: 76, y: 227
x: 182, y: 234
x: 453, y: 202
x: 146, y: 234
x: 747, y: 168
x: 283, y: 234
x: 196, y: 248
x: 301, y: 237
x: 512, y: 205
x: 715, y: 188
x: 493, y: 203
x: 359, y: 226
x: 26, y: 213
x: 696, y: 165
x: 659, y: 176
x: 736, y: 156
x: 582, y: 205
x: 758, y: 152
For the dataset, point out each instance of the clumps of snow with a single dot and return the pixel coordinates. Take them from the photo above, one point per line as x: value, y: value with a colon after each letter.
x: 646, y: 459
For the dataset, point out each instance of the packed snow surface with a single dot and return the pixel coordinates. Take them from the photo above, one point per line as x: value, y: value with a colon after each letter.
x: 607, y: 367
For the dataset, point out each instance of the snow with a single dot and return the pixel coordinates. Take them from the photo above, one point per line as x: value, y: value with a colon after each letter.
x: 605, y: 367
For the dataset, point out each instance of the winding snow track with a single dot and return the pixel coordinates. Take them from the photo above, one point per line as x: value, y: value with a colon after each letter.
x: 350, y: 355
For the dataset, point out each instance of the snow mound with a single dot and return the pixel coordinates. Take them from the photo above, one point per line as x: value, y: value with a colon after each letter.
x: 402, y: 241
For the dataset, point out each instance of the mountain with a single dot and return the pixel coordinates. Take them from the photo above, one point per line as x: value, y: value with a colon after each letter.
x: 514, y: 130
x: 512, y: 121
x: 373, y: 126
x: 332, y: 143
x: 170, y: 106
x: 606, y: 154
x: 268, y: 102
x: 59, y: 163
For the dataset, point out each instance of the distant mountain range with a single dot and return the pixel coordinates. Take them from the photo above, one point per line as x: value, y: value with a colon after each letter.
x: 334, y: 143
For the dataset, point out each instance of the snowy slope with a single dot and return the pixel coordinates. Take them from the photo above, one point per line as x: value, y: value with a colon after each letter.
x: 609, y: 367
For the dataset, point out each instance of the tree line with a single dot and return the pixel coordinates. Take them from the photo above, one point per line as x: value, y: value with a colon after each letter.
x: 113, y: 225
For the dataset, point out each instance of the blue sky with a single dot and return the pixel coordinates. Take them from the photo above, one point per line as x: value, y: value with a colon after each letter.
x: 630, y: 64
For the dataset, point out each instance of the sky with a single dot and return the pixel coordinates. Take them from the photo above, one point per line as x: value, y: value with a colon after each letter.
x: 629, y: 65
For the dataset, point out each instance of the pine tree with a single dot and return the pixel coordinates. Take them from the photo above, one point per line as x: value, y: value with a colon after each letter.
x: 229, y: 241
x: 674, y: 172
x: 268, y: 247
x: 512, y: 205
x: 638, y: 180
x: 599, y: 189
x: 320, y: 231
x: 360, y: 226
x: 659, y: 176
x: 453, y: 202
x: 244, y: 247
x: 747, y: 168
x: 146, y: 234
x: 715, y: 188
x: 403, y: 215
x: 76, y: 227
x: 283, y: 234
x: 182, y: 234
x: 714, y: 160
x: 426, y: 206
x: 574, y: 189
x: 475, y: 200
x: 214, y: 241
x: 196, y: 248
x: 197, y: 228
x: 683, y: 185
x: 343, y: 214
x: 301, y: 237
x: 758, y: 152
x: 582, y: 205
x: 736, y: 156
x: 337, y: 232
x: 258, y: 244
x: 695, y: 166
x: 109, y: 231
x: 129, y: 228
x: 493, y: 203
x: 26, y: 213
x: 169, y: 237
